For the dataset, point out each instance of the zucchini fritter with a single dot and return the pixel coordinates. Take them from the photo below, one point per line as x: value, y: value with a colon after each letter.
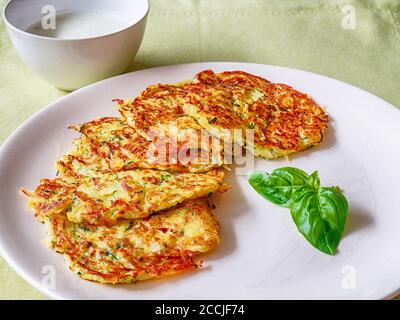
x: 284, y: 120
x: 101, y: 198
x: 110, y: 144
x: 162, y: 244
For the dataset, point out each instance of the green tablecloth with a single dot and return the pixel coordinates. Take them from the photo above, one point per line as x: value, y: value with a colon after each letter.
x: 314, y: 35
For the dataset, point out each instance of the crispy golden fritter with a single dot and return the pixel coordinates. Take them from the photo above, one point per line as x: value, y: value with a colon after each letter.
x: 162, y: 104
x: 181, y: 146
x: 160, y: 245
x: 155, y: 105
x: 284, y: 120
x: 101, y: 198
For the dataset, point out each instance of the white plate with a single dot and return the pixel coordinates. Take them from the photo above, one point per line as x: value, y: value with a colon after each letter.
x: 261, y: 255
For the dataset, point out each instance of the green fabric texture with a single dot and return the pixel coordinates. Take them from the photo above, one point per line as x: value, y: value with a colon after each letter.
x: 303, y: 34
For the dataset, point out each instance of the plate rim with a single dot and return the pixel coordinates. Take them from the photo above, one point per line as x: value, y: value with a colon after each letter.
x: 53, y: 294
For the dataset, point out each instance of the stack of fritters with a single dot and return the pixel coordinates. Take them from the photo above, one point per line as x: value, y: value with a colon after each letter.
x: 119, y: 217
x: 131, y: 199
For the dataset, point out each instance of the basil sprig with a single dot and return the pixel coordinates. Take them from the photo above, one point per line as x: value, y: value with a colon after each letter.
x: 319, y: 212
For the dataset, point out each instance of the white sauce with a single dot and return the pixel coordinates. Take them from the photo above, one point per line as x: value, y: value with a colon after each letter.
x: 75, y: 25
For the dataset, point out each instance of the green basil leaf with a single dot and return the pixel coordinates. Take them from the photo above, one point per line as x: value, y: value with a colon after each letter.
x: 278, y: 186
x: 320, y: 215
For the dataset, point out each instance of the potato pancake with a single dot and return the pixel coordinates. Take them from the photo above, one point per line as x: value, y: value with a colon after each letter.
x: 162, y: 104
x: 111, y: 144
x: 158, y: 109
x: 140, y: 249
x: 101, y: 198
x: 282, y: 119
x: 156, y: 105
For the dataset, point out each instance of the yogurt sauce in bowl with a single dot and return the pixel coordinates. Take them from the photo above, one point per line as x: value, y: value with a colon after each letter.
x: 78, y: 25
x: 74, y: 43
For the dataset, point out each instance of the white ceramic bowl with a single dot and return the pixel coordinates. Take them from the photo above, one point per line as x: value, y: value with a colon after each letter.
x: 71, y: 63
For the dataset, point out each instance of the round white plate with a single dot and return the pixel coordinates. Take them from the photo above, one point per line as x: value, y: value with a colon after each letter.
x: 261, y: 256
